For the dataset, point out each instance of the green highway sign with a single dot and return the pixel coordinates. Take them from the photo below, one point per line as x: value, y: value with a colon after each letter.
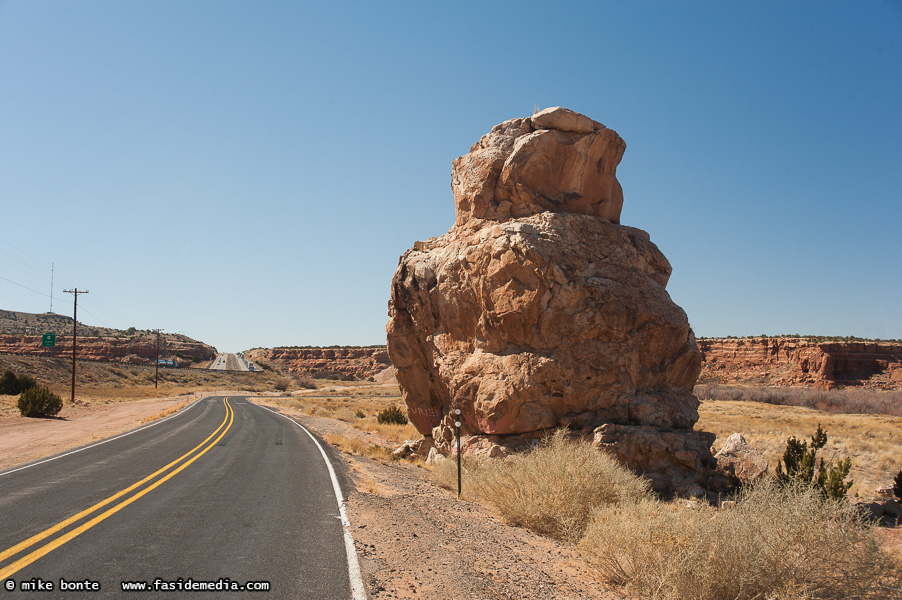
x: 48, y: 339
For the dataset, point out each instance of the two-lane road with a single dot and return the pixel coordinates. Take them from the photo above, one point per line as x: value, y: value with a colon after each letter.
x: 224, y: 494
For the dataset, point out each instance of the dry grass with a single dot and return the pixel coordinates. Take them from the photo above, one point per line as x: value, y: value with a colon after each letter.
x: 775, y: 543
x: 551, y: 489
x: 847, y: 401
x: 358, y: 446
x: 873, y: 442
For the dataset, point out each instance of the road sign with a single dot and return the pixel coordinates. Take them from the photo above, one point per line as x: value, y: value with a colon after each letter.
x: 48, y: 339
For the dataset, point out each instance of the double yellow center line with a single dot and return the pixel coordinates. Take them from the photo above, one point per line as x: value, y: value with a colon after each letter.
x: 34, y: 555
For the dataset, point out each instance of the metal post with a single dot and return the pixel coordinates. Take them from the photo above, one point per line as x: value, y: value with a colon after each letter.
x: 457, y: 426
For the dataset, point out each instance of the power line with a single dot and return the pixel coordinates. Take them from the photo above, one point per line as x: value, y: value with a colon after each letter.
x: 24, y: 286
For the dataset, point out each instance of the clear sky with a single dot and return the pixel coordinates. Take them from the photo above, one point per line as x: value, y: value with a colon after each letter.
x: 248, y: 173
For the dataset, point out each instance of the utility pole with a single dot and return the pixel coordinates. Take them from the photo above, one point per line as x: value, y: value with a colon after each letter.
x: 156, y: 374
x: 75, y: 293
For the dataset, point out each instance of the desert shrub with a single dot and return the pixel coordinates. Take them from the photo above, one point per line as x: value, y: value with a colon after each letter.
x: 897, y: 486
x: 26, y: 382
x: 553, y: 488
x: 800, y: 464
x: 38, y: 401
x: 392, y: 415
x: 305, y: 383
x: 281, y: 384
x: 777, y: 542
x: 360, y: 414
x: 10, y: 384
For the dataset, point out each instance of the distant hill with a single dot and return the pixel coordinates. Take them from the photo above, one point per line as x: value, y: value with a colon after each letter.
x: 20, y: 334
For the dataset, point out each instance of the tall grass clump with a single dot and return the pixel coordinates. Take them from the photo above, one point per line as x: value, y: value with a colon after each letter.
x: 553, y: 488
x: 779, y: 542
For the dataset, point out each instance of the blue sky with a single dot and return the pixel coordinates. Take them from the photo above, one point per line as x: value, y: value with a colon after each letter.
x: 248, y: 173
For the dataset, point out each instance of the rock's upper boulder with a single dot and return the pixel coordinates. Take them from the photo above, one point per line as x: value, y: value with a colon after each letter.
x: 556, y: 161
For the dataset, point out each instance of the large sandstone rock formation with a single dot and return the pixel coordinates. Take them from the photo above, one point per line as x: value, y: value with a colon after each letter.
x: 538, y: 310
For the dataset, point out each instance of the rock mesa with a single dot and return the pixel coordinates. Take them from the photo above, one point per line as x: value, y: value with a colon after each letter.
x: 539, y: 310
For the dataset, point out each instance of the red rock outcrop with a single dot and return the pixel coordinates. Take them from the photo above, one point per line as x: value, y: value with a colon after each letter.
x: 801, y: 362
x: 538, y: 310
x: 360, y: 363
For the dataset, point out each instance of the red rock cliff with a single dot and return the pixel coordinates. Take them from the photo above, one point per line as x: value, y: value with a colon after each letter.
x: 139, y: 351
x: 801, y: 362
x: 20, y: 333
x: 315, y: 362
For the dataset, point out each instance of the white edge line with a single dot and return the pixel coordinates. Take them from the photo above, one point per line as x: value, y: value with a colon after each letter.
x: 121, y: 435
x: 358, y: 591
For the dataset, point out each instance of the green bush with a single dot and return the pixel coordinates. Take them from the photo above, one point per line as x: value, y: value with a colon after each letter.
x: 26, y: 382
x: 11, y: 385
x: 393, y: 415
x: 802, y: 466
x: 39, y: 402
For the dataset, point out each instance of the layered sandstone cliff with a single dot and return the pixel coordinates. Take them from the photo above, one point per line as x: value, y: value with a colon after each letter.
x: 360, y: 363
x: 801, y: 362
x: 21, y: 334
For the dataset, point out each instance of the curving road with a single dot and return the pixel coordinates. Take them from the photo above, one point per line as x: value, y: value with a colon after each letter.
x: 224, y: 493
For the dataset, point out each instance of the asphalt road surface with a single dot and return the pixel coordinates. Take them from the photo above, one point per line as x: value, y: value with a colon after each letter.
x: 224, y: 493
x: 232, y: 362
